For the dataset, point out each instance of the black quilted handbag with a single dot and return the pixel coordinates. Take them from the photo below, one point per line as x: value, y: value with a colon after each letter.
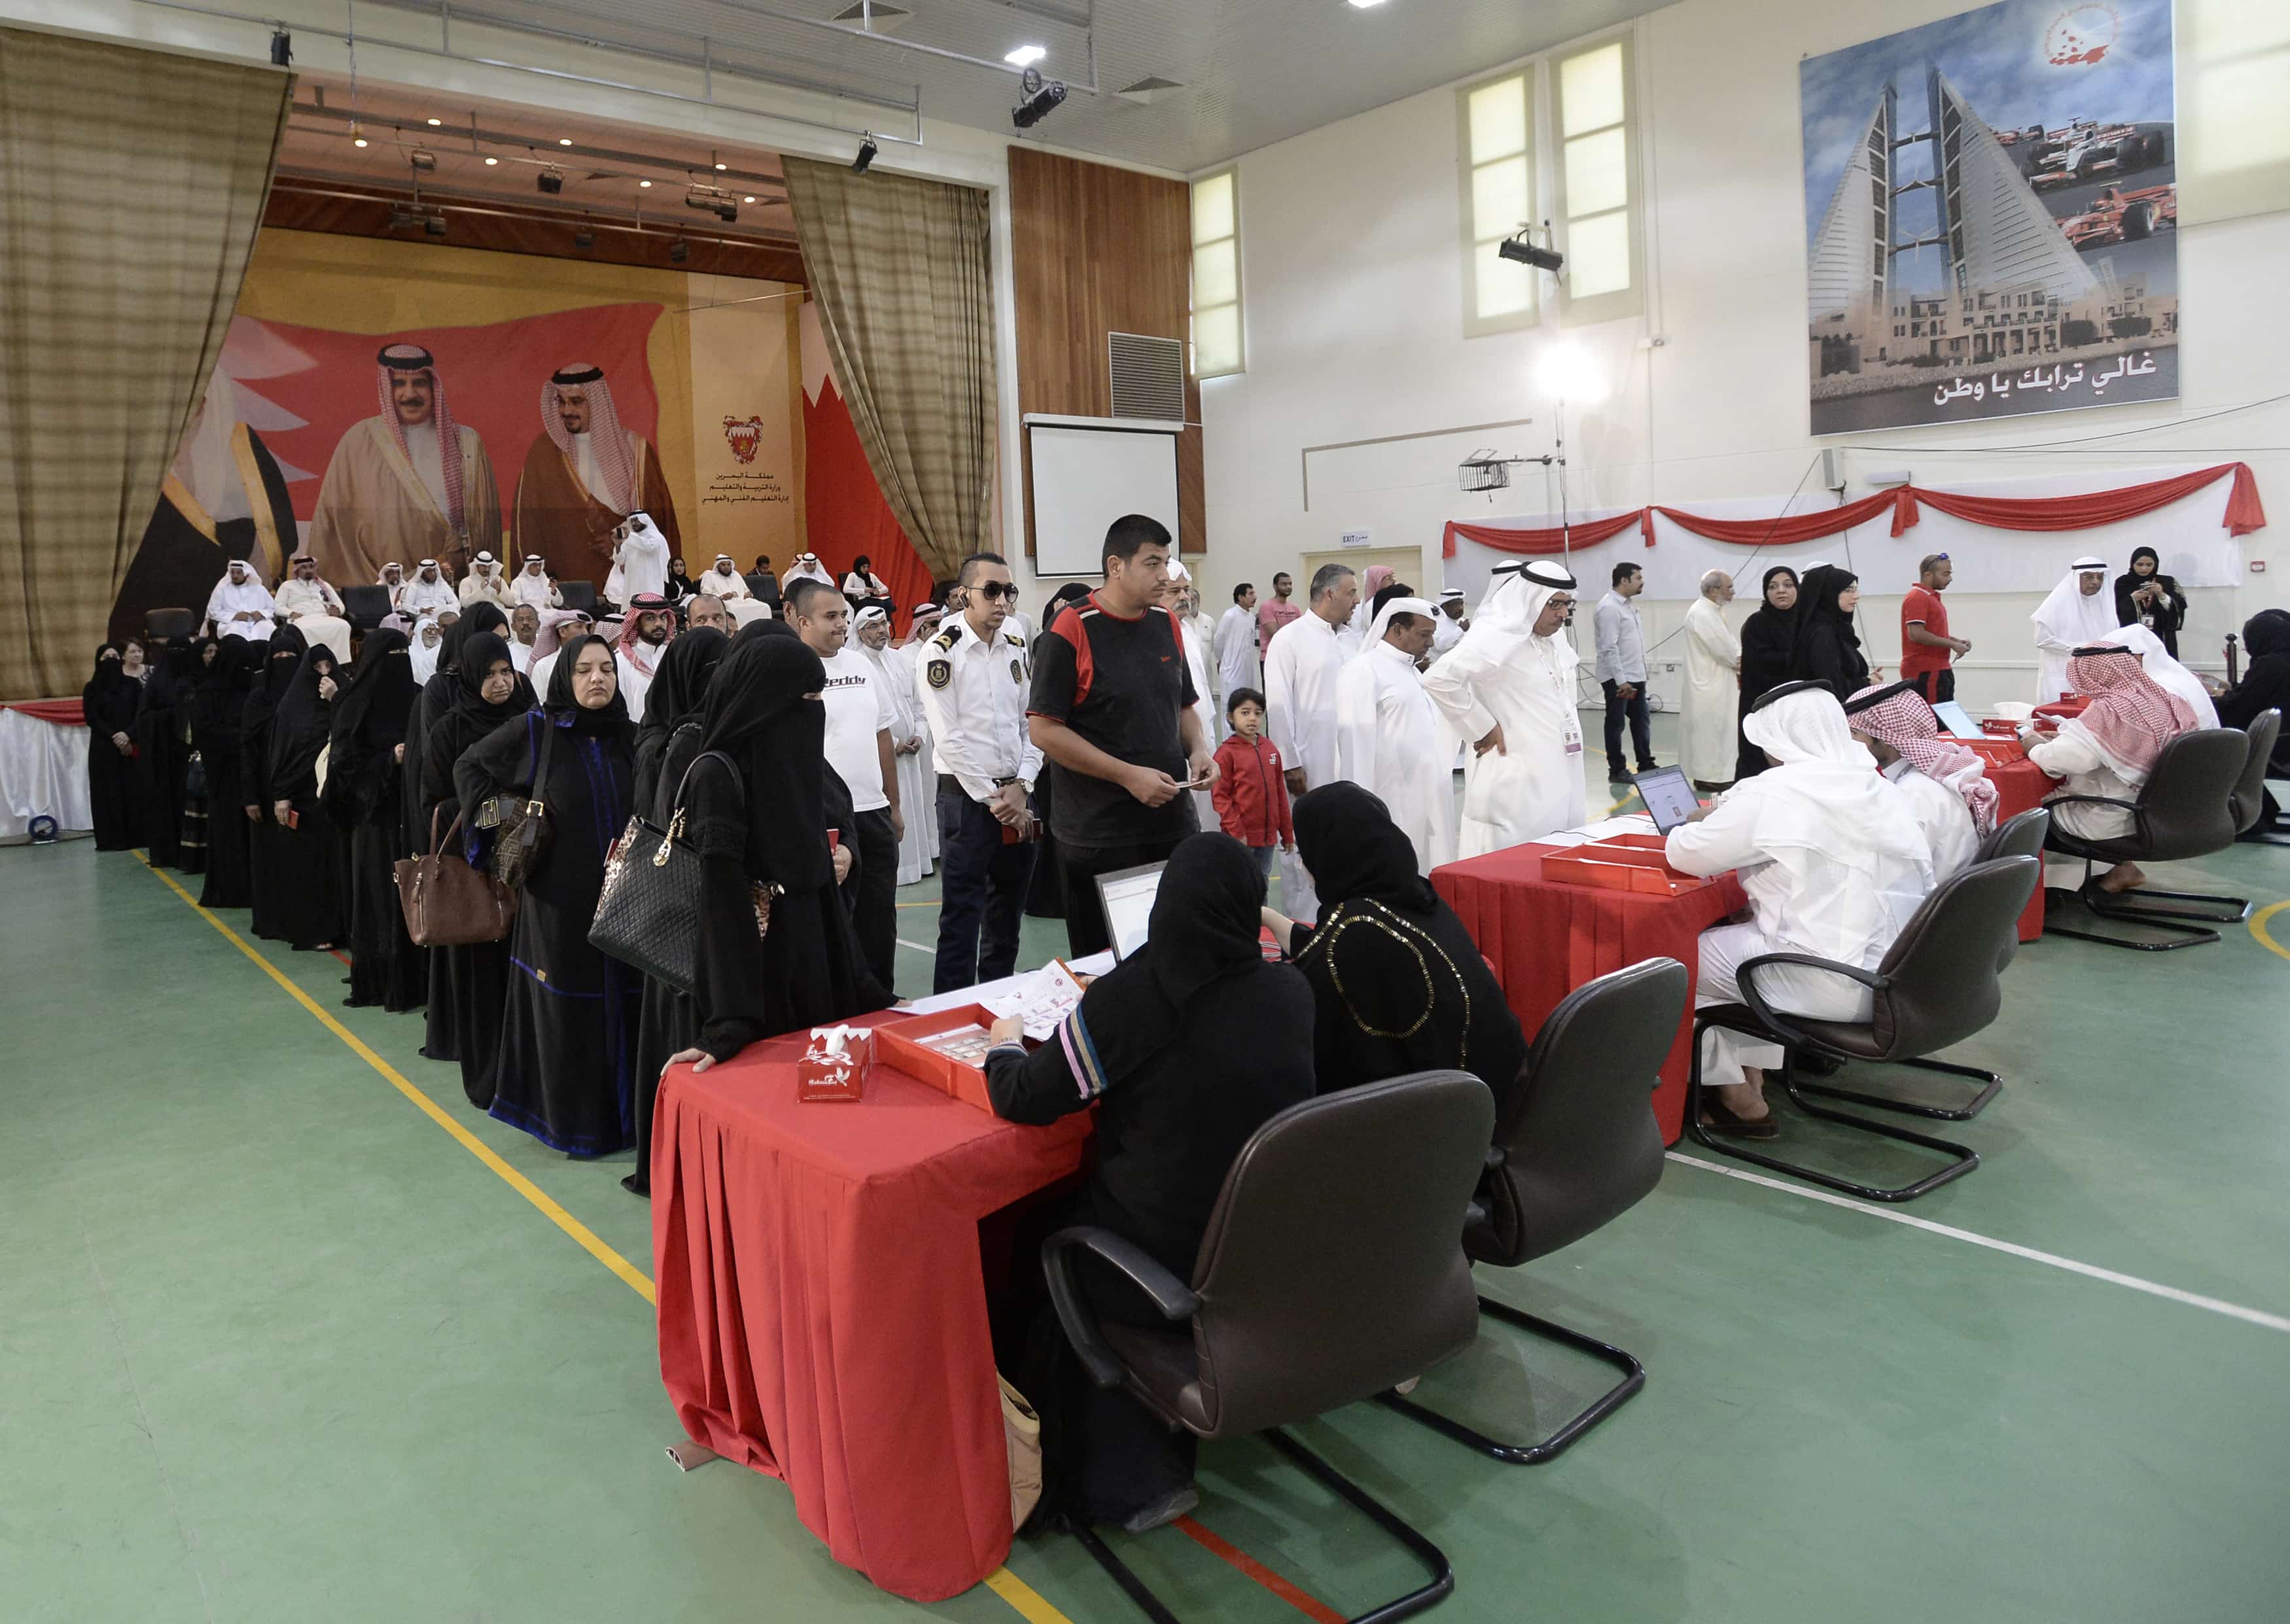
x: 648, y: 912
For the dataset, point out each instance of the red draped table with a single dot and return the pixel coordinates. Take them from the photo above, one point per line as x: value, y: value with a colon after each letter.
x: 822, y: 1314
x: 1546, y: 940
x: 2020, y: 785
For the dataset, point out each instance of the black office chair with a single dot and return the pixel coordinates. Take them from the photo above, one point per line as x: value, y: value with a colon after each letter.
x: 2182, y: 811
x: 165, y: 623
x: 2019, y: 836
x: 580, y: 594
x: 365, y: 607
x: 1330, y: 1273
x: 2248, y: 801
x: 1578, y: 1149
x: 1936, y: 986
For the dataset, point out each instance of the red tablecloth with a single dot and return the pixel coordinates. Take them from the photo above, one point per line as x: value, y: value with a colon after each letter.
x: 1545, y: 941
x: 63, y: 712
x: 2067, y: 705
x: 2021, y: 785
x: 822, y: 1317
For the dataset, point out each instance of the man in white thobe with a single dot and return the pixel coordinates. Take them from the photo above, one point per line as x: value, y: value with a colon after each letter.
x: 524, y: 626
x: 723, y: 581
x: 314, y: 607
x: 2078, y: 612
x: 805, y: 567
x: 428, y: 592
x: 1177, y: 594
x: 532, y: 586
x: 1508, y: 689
x: 643, y: 639
x: 241, y: 606
x: 1388, y: 738
x: 640, y: 561
x: 910, y: 740
x: 1239, y: 664
x: 1454, y: 620
x: 1713, y: 685
x: 1835, y: 866
x: 392, y: 580
x: 484, y: 583
x: 1301, y: 664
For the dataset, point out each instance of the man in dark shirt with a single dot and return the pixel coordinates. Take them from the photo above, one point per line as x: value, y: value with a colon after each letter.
x: 1111, y: 712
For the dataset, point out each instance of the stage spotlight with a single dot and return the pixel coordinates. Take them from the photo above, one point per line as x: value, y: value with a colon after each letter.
x: 860, y: 164
x: 434, y: 225
x: 1040, y: 99
x: 1517, y: 248
x: 550, y: 180
x: 678, y: 252
x: 357, y: 136
x: 281, y: 48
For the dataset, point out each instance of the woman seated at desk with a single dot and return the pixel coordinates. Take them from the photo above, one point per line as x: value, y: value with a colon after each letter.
x: 1192, y: 1043
x: 1399, y: 985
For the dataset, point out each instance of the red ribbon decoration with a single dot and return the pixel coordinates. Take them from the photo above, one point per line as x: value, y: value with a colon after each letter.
x: 63, y: 712
x: 2243, y: 512
x: 1505, y: 539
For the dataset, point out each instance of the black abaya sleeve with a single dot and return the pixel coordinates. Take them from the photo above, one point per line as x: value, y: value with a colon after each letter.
x: 1033, y: 1088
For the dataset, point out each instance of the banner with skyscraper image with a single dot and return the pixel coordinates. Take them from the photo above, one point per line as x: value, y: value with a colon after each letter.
x: 1991, y: 216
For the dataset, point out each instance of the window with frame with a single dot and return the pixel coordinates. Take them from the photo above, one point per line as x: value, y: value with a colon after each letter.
x: 1499, y: 295
x: 1217, y: 343
x: 1597, y: 183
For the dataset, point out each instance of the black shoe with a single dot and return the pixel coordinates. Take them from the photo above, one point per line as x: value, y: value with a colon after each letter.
x: 1647, y: 766
x: 1618, y: 776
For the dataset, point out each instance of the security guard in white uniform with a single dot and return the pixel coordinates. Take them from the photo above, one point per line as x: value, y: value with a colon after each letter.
x: 973, y: 678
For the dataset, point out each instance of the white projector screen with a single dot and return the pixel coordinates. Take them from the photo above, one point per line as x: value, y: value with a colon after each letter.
x: 1085, y: 478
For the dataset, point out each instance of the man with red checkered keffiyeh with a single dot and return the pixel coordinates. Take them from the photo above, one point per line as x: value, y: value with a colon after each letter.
x: 408, y: 483
x: 2109, y: 748
x: 1946, y: 783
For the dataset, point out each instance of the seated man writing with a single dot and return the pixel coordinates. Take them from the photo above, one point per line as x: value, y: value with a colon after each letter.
x: 1946, y: 782
x: 1834, y: 865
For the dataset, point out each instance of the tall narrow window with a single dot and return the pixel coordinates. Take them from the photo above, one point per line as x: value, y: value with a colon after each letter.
x: 1596, y: 182
x: 1498, y: 199
x: 1217, y: 347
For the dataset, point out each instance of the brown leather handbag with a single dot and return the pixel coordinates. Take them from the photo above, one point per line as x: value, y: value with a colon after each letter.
x: 447, y: 903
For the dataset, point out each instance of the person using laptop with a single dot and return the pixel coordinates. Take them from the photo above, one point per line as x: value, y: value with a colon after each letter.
x: 1946, y: 782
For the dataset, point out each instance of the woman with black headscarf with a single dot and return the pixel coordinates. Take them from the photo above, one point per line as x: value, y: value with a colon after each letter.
x: 1397, y: 984
x: 2264, y: 686
x: 114, y: 792
x: 365, y: 793
x: 678, y: 689
x: 439, y: 690
x: 162, y: 754
x: 1186, y: 1047
x: 218, y: 708
x: 2145, y: 597
x: 308, y: 851
x: 1768, y: 645
x: 467, y: 986
x: 566, y: 1072
x: 279, y: 662
x: 1827, y: 647
x: 756, y: 809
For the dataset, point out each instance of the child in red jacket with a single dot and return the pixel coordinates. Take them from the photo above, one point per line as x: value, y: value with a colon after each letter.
x: 1251, y: 795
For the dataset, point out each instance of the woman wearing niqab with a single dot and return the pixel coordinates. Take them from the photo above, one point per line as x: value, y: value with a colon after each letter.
x: 365, y: 793
x: 218, y: 707
x: 279, y: 660
x: 115, y: 788
x: 309, y: 851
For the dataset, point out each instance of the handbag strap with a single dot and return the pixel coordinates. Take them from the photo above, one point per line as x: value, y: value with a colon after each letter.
x: 540, y: 764
x: 677, y: 806
x: 437, y: 846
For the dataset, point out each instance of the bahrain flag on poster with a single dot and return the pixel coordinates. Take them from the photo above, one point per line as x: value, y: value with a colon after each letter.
x: 844, y: 515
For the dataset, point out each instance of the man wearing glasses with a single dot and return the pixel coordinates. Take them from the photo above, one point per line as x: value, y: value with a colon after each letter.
x: 972, y: 677
x: 1926, y: 650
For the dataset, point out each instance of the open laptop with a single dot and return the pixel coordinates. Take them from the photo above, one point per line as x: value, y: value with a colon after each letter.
x: 1956, y: 721
x: 1126, y: 895
x: 1669, y: 796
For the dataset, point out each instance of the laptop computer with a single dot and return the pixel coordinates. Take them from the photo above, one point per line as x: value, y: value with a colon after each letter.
x: 1669, y: 796
x: 1956, y: 721
x: 1126, y: 895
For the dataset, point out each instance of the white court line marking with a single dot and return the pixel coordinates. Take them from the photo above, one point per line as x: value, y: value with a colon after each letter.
x: 917, y: 946
x: 2171, y: 1294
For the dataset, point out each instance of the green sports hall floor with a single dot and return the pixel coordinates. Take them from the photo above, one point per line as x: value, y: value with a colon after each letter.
x: 276, y: 1345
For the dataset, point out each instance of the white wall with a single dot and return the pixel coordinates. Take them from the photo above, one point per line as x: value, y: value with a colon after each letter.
x: 1352, y: 277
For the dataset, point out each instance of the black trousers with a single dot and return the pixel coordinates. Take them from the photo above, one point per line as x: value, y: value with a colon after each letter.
x: 981, y: 885
x: 1085, y: 927
x: 1641, y: 738
x: 873, y: 894
x: 1936, y: 686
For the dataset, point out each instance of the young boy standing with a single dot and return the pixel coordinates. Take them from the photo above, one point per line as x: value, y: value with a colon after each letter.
x: 1250, y: 793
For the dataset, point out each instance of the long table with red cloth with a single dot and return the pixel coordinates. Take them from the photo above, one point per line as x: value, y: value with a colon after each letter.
x: 2020, y: 785
x: 822, y: 1314
x: 1545, y: 940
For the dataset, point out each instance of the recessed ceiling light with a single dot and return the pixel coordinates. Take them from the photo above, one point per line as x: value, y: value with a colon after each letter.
x: 357, y: 141
x: 747, y: 200
x: 563, y: 141
x: 435, y: 124
x: 644, y: 183
x: 1026, y: 56
x: 1361, y: 5
x: 489, y: 162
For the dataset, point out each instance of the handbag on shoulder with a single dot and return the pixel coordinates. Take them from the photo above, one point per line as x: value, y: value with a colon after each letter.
x: 519, y: 823
x: 648, y: 911
x: 447, y: 903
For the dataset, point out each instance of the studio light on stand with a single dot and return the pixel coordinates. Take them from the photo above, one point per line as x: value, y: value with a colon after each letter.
x: 865, y: 158
x: 1568, y: 375
x: 1040, y: 98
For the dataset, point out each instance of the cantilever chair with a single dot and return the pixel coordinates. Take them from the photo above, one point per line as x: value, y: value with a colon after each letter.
x: 1936, y: 986
x: 2248, y: 801
x: 581, y: 595
x: 2182, y: 811
x: 1578, y: 1149
x: 365, y: 606
x: 1330, y: 1272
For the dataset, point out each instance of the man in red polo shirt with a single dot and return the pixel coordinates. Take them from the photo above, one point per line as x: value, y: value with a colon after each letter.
x: 1926, y: 650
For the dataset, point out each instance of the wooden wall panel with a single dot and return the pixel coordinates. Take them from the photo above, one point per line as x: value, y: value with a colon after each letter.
x: 1099, y: 250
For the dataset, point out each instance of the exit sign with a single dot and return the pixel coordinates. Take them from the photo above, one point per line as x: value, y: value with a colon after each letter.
x: 1356, y: 537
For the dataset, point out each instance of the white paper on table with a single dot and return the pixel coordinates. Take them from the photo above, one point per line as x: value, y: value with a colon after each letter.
x: 1629, y: 823
x: 1040, y: 1000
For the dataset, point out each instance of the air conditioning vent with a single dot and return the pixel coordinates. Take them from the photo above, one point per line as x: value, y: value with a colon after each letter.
x: 888, y: 17
x: 1148, y: 376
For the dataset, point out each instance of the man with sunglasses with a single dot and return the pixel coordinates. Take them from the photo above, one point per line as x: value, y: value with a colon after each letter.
x: 1926, y: 650
x: 973, y: 676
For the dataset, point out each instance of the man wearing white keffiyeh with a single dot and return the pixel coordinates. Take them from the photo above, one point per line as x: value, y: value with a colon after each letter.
x: 584, y: 475
x: 407, y: 483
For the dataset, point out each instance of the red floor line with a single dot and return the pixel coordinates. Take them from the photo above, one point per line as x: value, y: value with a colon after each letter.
x: 341, y: 955
x: 1312, y: 1607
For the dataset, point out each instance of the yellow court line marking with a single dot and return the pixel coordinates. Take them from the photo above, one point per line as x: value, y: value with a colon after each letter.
x: 2258, y: 928
x: 637, y: 1280
x: 1029, y: 1603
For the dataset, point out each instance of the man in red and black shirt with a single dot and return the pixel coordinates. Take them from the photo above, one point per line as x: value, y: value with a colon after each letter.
x: 1927, y: 653
x: 1112, y: 711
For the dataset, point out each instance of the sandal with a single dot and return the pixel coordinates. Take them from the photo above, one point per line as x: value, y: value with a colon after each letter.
x: 1717, y: 1119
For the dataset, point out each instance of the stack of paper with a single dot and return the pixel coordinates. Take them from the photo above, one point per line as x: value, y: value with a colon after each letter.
x: 1041, y: 1000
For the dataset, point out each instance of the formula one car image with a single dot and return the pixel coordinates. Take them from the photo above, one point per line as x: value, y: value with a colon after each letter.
x: 2086, y: 150
x: 2117, y: 216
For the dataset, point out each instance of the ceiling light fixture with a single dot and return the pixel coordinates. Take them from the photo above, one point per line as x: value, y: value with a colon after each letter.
x: 356, y: 138
x: 1026, y: 56
x: 424, y: 163
x: 434, y: 123
x: 1362, y: 5
x: 434, y: 225
x: 747, y: 200
x: 563, y: 141
x: 720, y: 164
x: 491, y: 162
x: 281, y: 48
x: 644, y: 183
x: 867, y: 149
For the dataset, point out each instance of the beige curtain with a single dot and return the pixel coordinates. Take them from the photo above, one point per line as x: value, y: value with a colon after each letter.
x: 905, y: 298
x: 131, y: 181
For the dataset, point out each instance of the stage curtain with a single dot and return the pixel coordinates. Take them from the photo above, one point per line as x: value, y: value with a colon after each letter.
x: 113, y: 309
x: 1556, y: 539
x: 2243, y: 512
x: 1801, y: 527
x: 906, y: 298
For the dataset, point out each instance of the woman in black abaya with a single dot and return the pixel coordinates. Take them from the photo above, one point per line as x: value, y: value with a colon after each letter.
x: 1827, y: 647
x: 441, y: 1034
x: 2148, y: 598
x: 1768, y: 646
x: 114, y: 793
x: 755, y: 808
x: 567, y: 1072
x: 279, y: 662
x: 468, y: 985
x: 365, y: 793
x: 307, y: 846
x: 162, y: 754
x: 2264, y: 686
x: 218, y: 707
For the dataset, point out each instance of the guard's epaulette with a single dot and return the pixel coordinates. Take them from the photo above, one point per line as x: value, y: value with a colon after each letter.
x: 1014, y: 640
x: 945, y: 639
